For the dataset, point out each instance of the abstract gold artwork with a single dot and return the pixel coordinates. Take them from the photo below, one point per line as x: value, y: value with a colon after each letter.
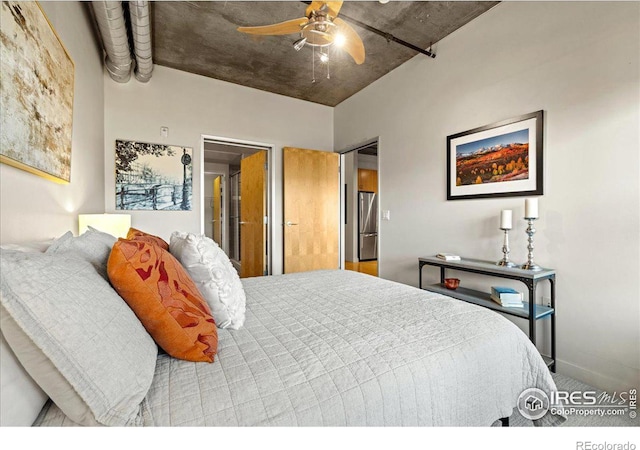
x: 36, y: 91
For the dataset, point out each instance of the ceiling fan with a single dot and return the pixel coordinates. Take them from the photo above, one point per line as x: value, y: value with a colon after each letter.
x: 321, y: 27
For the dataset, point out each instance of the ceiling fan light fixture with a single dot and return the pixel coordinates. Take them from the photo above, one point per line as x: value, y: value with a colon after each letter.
x: 297, y: 45
x: 324, y: 58
x: 320, y: 27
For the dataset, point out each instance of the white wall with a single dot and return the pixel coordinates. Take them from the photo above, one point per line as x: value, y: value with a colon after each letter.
x: 192, y: 105
x: 33, y: 208
x: 579, y: 62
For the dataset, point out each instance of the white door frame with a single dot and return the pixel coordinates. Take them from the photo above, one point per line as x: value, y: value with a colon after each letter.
x: 343, y: 195
x: 271, y: 189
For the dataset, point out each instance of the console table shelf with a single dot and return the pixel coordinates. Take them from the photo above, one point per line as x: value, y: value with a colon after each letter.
x: 531, y: 311
x: 484, y: 299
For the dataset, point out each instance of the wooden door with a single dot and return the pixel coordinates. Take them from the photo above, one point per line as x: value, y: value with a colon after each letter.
x: 253, y: 208
x: 217, y: 210
x: 311, y: 189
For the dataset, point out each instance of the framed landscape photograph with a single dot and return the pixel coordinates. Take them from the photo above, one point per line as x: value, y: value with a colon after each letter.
x: 36, y: 92
x: 504, y: 159
x: 153, y: 177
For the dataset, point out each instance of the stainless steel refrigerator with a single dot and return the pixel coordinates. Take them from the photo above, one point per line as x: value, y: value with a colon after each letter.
x: 368, y: 226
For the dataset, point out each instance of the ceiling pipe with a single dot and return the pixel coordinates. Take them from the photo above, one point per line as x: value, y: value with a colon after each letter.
x: 110, y: 19
x: 389, y: 37
x: 141, y: 33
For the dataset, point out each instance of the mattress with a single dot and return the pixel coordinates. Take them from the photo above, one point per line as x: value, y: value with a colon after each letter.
x: 340, y: 348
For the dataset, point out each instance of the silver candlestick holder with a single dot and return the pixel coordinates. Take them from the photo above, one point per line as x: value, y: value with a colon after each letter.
x: 505, y: 251
x: 530, y: 265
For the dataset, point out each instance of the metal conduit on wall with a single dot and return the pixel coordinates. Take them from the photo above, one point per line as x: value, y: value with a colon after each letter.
x: 110, y: 17
x: 141, y: 32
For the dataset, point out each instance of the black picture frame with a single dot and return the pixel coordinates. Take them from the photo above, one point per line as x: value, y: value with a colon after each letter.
x: 494, y: 161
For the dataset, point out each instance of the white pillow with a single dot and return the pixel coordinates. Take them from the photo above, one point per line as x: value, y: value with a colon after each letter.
x: 21, y: 398
x: 76, y: 337
x: 214, y: 275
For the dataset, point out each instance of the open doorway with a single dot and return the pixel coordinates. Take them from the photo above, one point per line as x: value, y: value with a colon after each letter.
x: 360, y: 207
x: 237, y: 206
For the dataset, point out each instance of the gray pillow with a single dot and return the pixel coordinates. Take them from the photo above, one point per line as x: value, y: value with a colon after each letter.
x: 21, y: 399
x: 93, y: 246
x: 31, y: 246
x: 76, y: 337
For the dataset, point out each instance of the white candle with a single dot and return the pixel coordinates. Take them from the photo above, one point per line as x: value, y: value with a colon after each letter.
x: 505, y: 219
x: 531, y: 208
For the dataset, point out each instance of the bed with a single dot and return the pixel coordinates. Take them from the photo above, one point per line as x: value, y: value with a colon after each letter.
x: 340, y: 348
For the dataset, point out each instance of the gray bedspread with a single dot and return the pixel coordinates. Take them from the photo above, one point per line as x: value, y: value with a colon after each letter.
x: 339, y: 348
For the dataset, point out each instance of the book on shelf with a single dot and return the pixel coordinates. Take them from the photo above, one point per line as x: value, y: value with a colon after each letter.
x: 506, y: 296
x: 448, y: 256
x: 507, y: 303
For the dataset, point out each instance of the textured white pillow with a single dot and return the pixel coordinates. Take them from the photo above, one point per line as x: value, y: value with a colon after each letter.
x: 214, y: 275
x: 76, y: 337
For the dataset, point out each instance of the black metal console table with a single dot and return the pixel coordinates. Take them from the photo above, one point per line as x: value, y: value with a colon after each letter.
x: 529, y: 311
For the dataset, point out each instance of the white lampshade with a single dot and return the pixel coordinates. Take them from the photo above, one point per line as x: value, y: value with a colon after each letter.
x: 115, y: 224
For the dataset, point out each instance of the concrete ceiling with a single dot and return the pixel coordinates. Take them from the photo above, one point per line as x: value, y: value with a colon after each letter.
x: 201, y: 37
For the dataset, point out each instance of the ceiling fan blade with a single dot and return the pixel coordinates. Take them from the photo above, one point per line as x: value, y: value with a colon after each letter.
x: 333, y: 8
x: 277, y: 29
x: 314, y: 6
x: 353, y: 44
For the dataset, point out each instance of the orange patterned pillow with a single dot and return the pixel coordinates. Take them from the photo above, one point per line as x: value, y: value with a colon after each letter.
x: 165, y: 299
x: 146, y: 237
